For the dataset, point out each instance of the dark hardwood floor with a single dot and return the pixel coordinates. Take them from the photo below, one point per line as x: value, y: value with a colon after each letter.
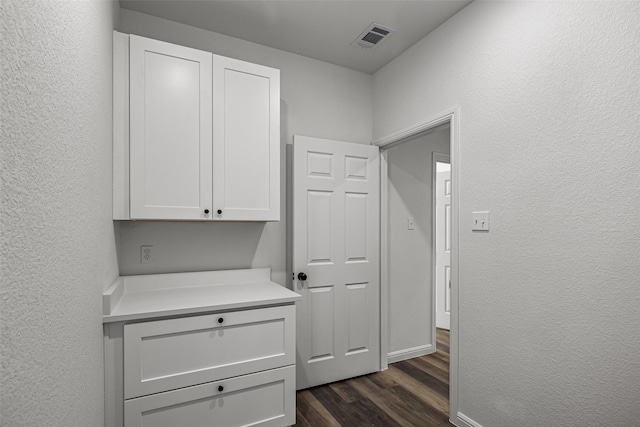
x: 413, y: 392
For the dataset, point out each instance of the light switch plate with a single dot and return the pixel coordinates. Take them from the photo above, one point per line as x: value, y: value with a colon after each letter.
x: 411, y: 225
x: 480, y: 221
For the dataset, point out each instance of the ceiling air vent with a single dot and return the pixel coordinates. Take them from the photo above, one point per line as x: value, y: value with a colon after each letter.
x: 373, y: 36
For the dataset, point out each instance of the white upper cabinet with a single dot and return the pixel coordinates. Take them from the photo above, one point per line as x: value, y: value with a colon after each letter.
x: 196, y: 135
x: 246, y: 140
x: 170, y: 126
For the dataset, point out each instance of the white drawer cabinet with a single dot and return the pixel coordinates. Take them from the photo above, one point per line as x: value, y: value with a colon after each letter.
x: 217, y: 351
x: 169, y: 354
x: 196, y: 135
x: 261, y: 399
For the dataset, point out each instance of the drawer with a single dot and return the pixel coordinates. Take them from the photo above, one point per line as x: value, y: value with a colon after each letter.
x: 264, y: 399
x: 168, y: 354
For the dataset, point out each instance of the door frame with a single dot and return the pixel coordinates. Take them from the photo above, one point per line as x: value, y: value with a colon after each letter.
x: 442, y: 158
x: 451, y: 117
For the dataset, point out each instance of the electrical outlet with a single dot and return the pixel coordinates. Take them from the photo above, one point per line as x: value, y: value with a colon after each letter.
x: 480, y: 221
x: 146, y: 254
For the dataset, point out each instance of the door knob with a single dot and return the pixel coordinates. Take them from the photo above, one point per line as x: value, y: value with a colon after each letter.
x: 302, y: 277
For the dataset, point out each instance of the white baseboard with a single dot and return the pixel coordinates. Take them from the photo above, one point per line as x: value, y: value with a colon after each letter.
x: 464, y: 421
x: 409, y: 353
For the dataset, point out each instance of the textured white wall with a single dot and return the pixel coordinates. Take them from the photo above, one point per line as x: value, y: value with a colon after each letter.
x: 57, y: 245
x: 550, y: 298
x: 317, y: 99
x: 410, y: 193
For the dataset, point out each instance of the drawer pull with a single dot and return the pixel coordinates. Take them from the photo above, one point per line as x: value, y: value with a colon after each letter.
x: 220, y: 388
x: 220, y: 320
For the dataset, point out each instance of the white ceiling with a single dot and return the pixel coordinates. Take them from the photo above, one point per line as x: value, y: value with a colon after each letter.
x: 320, y: 29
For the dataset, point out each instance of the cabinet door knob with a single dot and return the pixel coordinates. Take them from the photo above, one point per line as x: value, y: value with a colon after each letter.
x: 302, y: 277
x: 220, y: 320
x: 219, y: 211
x: 220, y: 388
x: 206, y: 211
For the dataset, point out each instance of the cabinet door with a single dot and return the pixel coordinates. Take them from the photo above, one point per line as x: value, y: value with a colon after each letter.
x: 170, y: 150
x: 246, y: 141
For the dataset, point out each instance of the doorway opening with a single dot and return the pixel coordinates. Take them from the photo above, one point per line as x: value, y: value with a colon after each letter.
x: 433, y: 151
x: 411, y: 238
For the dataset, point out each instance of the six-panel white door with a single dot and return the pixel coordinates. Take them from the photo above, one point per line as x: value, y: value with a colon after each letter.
x: 170, y: 119
x: 336, y: 244
x: 246, y: 141
x: 443, y: 249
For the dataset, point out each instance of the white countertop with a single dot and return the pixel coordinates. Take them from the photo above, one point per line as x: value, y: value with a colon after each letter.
x: 160, y: 295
